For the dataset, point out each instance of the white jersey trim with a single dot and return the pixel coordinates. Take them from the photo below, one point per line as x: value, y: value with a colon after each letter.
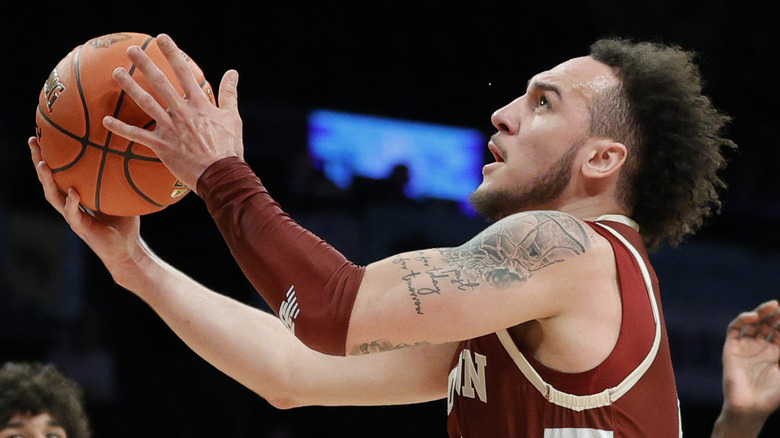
x: 610, y: 395
x: 578, y: 433
x: 619, y: 218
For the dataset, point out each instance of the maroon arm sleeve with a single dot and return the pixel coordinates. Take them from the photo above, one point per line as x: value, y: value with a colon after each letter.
x: 310, y: 285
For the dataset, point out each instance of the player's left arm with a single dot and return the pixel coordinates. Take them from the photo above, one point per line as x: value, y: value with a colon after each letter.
x: 531, y: 265
x: 528, y: 266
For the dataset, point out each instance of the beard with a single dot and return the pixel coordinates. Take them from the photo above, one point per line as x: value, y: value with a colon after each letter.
x: 498, y: 204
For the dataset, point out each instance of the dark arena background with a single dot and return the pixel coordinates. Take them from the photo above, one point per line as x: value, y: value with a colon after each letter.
x: 444, y: 63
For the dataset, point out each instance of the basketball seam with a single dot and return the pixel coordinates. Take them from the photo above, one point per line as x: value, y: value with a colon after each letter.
x: 86, y: 143
x: 106, y: 149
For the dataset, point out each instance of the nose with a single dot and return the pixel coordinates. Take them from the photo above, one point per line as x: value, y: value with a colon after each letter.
x: 507, y: 119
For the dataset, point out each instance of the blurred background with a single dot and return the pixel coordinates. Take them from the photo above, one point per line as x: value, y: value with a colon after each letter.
x: 396, y: 72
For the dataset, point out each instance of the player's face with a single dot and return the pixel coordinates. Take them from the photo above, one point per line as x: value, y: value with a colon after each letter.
x: 538, y: 139
x: 27, y: 426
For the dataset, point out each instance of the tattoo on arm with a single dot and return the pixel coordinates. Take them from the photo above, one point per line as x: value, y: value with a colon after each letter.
x: 512, y: 249
x: 380, y: 345
x: 507, y: 252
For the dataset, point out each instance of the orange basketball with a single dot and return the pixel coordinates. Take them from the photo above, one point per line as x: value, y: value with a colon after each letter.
x: 113, y: 175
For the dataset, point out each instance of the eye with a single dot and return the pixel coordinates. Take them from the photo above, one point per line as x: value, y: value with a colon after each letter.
x: 53, y: 435
x: 543, y: 102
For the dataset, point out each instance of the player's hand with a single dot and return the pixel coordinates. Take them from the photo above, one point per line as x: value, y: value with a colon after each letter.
x: 751, y: 375
x: 116, y: 240
x: 191, y: 133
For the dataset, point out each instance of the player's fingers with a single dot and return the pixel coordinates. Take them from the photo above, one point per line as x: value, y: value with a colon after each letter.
x: 774, y: 336
x: 181, y: 68
x: 72, y: 213
x: 132, y: 133
x: 35, y: 150
x: 769, y: 313
x: 773, y: 321
x: 50, y: 190
x: 161, y: 84
x: 767, y: 309
x: 763, y: 330
x: 773, y: 333
x: 141, y: 97
x: 228, y: 91
x: 742, y: 325
x: 196, y: 70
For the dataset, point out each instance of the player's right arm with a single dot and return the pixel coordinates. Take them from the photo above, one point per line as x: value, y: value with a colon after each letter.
x: 245, y: 343
x: 255, y: 349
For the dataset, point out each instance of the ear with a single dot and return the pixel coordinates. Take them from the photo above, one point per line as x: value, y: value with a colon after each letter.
x: 605, y: 158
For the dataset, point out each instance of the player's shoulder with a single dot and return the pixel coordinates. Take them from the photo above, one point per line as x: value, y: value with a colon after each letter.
x: 524, y: 243
x: 551, y: 227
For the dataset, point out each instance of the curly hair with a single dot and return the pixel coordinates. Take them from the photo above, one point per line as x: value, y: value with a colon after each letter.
x: 34, y: 389
x: 670, y: 180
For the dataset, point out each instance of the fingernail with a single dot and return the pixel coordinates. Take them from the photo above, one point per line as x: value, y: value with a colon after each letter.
x: 134, y: 49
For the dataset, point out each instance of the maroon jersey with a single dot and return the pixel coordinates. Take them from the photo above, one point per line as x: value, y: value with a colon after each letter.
x: 496, y: 389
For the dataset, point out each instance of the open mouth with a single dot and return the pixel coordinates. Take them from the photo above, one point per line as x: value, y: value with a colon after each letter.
x: 497, y: 154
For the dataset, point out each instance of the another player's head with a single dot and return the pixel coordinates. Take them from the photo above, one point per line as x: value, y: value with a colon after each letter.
x: 36, y: 400
x: 638, y: 109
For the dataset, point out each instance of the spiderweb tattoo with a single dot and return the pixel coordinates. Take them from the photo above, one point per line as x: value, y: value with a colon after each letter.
x: 512, y: 249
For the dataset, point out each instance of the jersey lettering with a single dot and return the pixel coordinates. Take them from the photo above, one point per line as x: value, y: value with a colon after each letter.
x: 468, y: 378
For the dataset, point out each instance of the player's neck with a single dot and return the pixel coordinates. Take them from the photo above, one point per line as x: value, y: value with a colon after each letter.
x: 587, y: 208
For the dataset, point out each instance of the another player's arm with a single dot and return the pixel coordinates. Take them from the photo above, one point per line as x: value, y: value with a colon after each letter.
x: 527, y: 266
x: 751, y: 375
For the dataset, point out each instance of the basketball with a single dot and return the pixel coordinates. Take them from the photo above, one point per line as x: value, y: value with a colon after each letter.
x: 113, y: 175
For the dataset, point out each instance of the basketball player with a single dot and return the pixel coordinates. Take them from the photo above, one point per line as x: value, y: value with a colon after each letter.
x: 547, y: 323
x: 37, y: 401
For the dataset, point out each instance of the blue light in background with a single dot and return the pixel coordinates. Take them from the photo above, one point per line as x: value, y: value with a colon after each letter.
x: 444, y: 162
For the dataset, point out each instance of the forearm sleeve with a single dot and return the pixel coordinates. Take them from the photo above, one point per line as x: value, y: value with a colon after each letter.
x: 310, y: 285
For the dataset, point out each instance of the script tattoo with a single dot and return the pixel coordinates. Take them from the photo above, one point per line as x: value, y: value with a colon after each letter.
x: 512, y: 249
x: 423, y: 278
x: 379, y: 346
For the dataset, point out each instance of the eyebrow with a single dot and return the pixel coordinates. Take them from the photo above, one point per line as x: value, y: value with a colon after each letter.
x: 541, y: 85
x: 18, y: 424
